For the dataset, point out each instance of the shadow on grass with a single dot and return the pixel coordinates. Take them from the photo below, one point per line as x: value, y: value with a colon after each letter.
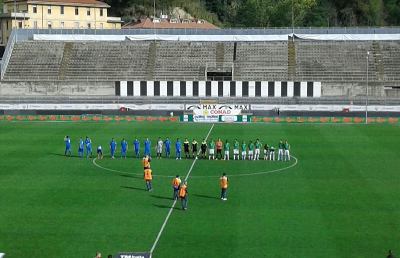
x: 161, y: 197
x: 133, y: 188
x: 205, y: 196
x: 161, y: 206
x: 131, y: 176
x: 62, y: 155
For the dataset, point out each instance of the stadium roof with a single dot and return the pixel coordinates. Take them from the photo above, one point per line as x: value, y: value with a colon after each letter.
x: 148, y: 23
x: 66, y: 2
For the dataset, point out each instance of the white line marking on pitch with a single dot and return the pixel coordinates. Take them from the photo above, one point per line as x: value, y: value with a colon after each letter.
x: 256, y: 173
x: 173, y: 204
x: 124, y: 172
x: 193, y: 177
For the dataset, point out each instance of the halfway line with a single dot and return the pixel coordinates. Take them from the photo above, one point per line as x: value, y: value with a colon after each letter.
x: 173, y: 204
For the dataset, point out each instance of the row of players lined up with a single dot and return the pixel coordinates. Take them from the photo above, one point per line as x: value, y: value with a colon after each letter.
x: 217, y: 149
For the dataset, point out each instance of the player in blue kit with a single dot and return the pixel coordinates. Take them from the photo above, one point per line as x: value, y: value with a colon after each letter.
x: 124, y: 148
x: 67, y: 141
x: 178, y: 149
x: 88, y: 144
x: 136, y: 145
x: 147, y: 147
x: 167, y: 144
x: 113, y: 147
x: 80, y: 148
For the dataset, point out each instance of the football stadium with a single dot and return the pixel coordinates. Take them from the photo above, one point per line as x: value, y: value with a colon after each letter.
x: 222, y: 142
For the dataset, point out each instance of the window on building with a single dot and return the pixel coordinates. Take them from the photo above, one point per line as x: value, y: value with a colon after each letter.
x: 62, y: 25
x: 101, y: 11
x: 61, y: 9
x: 296, y: 89
x: 89, y: 25
x: 49, y: 10
x: 35, y: 24
x: 49, y: 25
x: 20, y: 24
x: 88, y: 11
x: 76, y: 25
x: 76, y: 11
x: 34, y: 7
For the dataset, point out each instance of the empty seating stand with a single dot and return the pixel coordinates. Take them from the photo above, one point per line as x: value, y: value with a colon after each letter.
x: 325, y: 61
x: 264, y: 61
x: 333, y: 60
x: 35, y: 61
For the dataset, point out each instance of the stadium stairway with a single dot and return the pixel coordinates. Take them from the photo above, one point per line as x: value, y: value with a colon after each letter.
x: 65, y: 60
x: 151, y: 62
x: 377, y: 57
x: 291, y: 60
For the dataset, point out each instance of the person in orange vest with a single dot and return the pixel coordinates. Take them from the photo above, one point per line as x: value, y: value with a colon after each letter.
x: 223, y: 182
x: 219, y: 148
x: 146, y: 162
x: 148, y: 177
x: 176, y: 182
x: 183, y: 194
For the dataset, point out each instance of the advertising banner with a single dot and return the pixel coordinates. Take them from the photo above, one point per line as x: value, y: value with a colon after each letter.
x: 205, y: 119
x: 217, y: 109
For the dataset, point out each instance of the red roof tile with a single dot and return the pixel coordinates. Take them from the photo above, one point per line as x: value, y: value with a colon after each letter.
x: 167, y: 24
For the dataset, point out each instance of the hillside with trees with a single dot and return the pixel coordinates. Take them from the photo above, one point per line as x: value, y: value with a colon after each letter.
x: 270, y: 13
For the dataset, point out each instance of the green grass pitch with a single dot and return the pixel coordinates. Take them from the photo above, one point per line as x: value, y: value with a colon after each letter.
x: 340, y: 200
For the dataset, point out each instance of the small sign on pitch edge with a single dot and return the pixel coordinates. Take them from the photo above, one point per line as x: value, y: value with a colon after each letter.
x: 133, y: 255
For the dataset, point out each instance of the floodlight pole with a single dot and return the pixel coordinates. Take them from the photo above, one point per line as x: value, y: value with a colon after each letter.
x: 293, y: 18
x: 154, y: 17
x: 366, y: 97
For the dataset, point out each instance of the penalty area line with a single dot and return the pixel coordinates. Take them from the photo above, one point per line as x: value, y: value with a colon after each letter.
x: 174, y: 203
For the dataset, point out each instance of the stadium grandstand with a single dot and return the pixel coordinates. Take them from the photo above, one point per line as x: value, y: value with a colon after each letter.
x: 239, y: 65
x: 304, y: 122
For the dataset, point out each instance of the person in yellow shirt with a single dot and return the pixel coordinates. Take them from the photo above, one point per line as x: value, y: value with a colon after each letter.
x: 183, y: 195
x: 146, y: 162
x: 223, y: 182
x: 176, y: 182
x: 148, y: 177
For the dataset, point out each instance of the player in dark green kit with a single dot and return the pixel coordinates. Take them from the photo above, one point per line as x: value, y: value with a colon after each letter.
x: 271, y: 153
x: 227, y: 147
x: 244, y: 150
x: 266, y: 151
x: 257, y: 150
x: 286, y: 153
x: 236, y: 150
x: 251, y: 150
x: 211, y: 150
x: 280, y: 150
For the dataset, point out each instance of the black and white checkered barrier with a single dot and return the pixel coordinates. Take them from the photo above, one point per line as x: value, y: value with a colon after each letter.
x: 218, y: 89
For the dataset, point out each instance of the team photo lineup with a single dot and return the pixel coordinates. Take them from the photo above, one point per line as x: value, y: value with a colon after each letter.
x: 215, y: 149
